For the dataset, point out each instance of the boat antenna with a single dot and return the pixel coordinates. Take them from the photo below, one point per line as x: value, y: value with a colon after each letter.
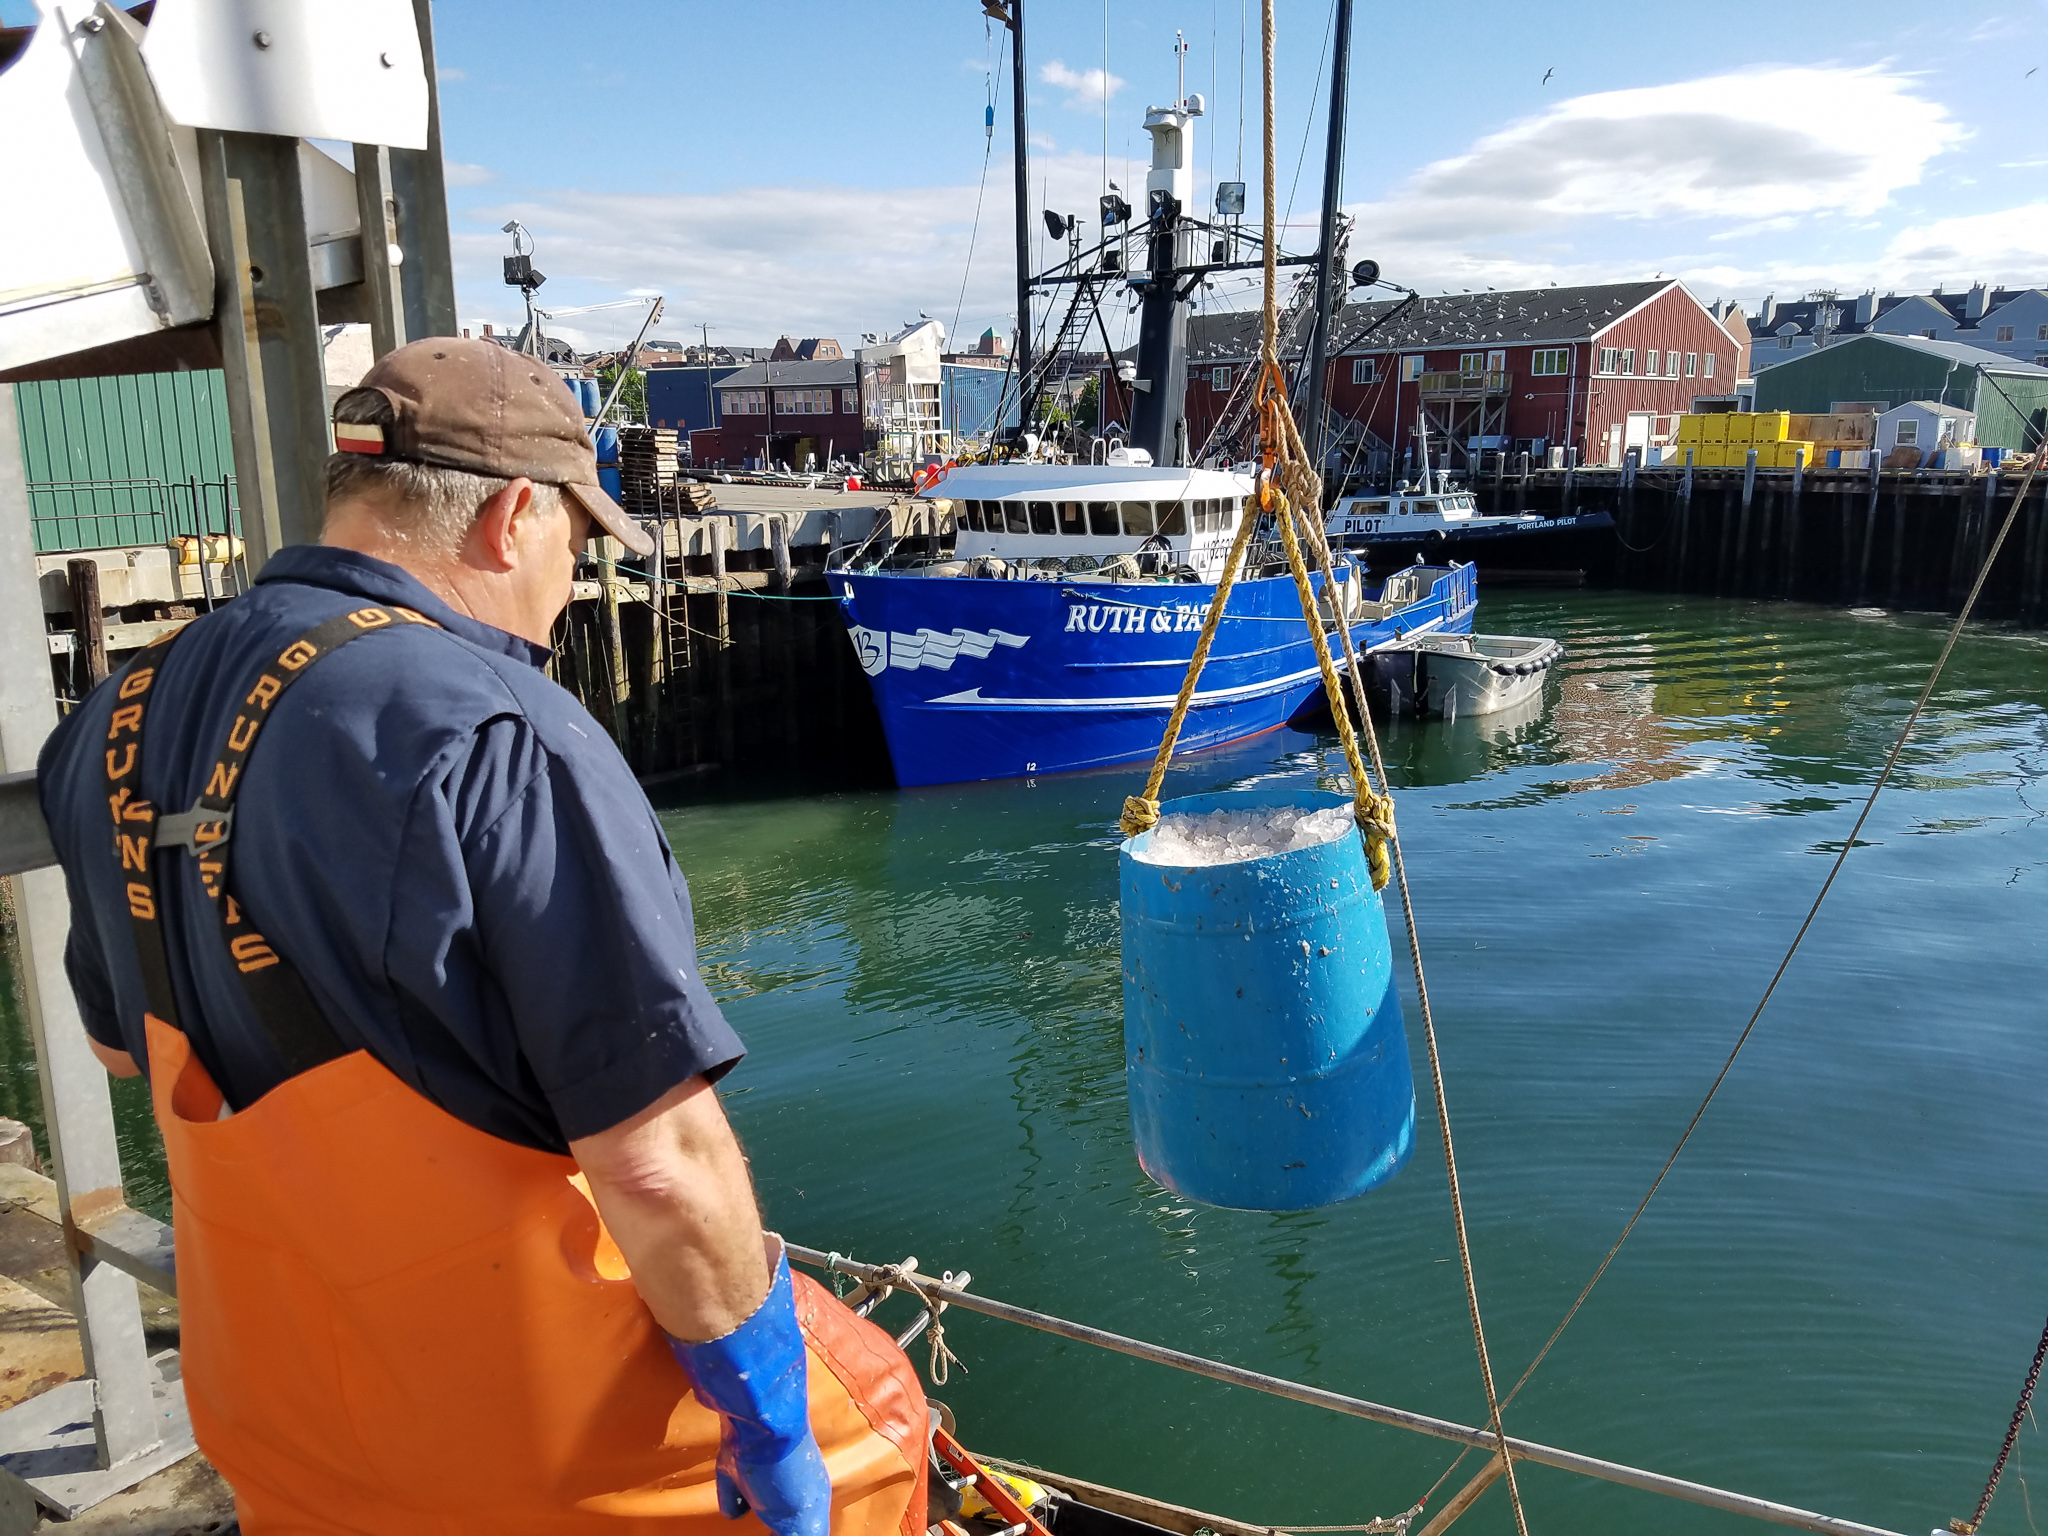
x: 1327, y: 294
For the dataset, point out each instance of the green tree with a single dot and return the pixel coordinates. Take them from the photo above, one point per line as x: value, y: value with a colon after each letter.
x: 632, y: 402
x: 1088, y: 409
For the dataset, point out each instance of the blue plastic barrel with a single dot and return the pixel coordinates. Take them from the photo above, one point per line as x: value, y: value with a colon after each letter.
x: 591, y: 394
x: 607, y: 444
x: 1264, y: 1055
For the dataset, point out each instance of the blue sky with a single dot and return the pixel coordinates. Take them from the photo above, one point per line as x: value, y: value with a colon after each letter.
x: 814, y: 168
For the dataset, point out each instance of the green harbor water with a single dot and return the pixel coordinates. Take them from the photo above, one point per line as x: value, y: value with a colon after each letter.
x: 1832, y: 1302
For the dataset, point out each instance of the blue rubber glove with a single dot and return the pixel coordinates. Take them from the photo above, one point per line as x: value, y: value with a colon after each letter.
x: 756, y: 1380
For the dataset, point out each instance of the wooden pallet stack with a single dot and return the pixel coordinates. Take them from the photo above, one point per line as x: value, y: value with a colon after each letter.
x: 647, y: 467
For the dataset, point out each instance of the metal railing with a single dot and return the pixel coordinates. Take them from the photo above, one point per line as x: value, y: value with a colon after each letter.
x: 67, y: 515
x: 1494, y: 382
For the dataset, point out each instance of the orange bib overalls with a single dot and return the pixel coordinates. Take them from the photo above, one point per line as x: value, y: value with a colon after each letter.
x: 395, y: 1323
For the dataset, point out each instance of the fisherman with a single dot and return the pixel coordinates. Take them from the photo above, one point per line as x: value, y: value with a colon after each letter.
x: 465, y: 1242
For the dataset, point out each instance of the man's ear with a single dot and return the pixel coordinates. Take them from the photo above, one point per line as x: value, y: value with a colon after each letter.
x: 494, y: 536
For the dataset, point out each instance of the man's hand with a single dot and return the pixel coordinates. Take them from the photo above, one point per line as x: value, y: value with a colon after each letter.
x: 673, y: 1189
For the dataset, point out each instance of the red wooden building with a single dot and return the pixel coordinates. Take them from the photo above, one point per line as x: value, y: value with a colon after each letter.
x: 1599, y: 368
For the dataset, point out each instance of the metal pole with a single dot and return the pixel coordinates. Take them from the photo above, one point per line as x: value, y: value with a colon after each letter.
x: 378, y: 209
x: 77, y: 1107
x: 1020, y: 134
x: 1333, y: 187
x: 1358, y: 1408
x: 427, y: 275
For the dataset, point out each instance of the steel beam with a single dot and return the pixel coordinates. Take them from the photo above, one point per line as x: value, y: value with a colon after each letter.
x: 127, y: 1419
x: 378, y: 208
x: 427, y: 274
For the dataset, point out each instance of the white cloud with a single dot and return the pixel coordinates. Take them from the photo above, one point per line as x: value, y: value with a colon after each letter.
x: 758, y: 261
x: 459, y: 174
x: 446, y: 75
x: 1087, y: 89
x: 1591, y: 188
x: 2006, y: 246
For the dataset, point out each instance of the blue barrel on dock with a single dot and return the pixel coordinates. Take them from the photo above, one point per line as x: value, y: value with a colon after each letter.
x: 607, y: 445
x: 1264, y: 1054
x: 591, y: 396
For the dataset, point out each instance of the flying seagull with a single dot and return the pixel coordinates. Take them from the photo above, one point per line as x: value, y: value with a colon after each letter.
x: 2030, y: 73
x: 1548, y: 73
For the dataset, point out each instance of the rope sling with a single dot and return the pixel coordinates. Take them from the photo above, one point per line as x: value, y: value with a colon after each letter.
x: 1291, y: 492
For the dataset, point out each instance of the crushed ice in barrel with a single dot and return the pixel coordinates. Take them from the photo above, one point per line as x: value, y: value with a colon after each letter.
x: 1232, y: 837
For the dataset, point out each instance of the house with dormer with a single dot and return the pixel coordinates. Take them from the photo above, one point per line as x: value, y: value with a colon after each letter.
x: 2012, y: 322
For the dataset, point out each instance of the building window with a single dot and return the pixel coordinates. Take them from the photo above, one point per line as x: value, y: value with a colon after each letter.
x: 1707, y: 366
x: 1628, y: 360
x: 1219, y: 378
x: 2005, y: 333
x: 849, y: 401
x: 1928, y: 334
x: 1551, y: 360
x: 1610, y: 359
x: 2041, y: 334
x: 1653, y: 363
x: 1472, y: 362
x: 2041, y: 359
x: 1411, y: 368
x: 1908, y: 434
x: 1692, y: 364
x: 1671, y: 364
x: 803, y: 402
x: 1364, y: 370
x: 746, y: 402
x: 1785, y: 342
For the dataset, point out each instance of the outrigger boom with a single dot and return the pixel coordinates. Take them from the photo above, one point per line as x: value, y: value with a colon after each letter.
x: 937, y: 1294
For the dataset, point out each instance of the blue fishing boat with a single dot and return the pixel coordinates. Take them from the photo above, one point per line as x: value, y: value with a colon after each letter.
x: 1055, y: 632
x: 1047, y: 628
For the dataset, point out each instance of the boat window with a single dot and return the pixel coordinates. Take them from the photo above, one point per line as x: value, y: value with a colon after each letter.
x: 1073, y: 519
x: 1226, y: 516
x: 1102, y: 519
x: 1041, y: 517
x: 1017, y: 518
x: 1173, y: 518
x: 1137, y: 517
x: 970, y: 516
x: 1198, y: 511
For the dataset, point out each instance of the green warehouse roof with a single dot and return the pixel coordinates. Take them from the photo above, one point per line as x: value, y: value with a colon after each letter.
x: 1887, y: 371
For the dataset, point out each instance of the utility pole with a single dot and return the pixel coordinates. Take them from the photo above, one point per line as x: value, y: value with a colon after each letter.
x: 1326, y: 255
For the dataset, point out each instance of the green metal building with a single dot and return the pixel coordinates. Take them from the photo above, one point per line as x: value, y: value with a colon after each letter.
x: 139, y: 459
x: 1873, y: 372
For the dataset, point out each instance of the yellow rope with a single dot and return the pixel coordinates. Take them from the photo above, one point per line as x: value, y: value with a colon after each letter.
x: 1142, y: 811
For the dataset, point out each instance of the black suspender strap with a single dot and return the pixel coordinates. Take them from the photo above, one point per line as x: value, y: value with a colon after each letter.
x: 285, y: 1009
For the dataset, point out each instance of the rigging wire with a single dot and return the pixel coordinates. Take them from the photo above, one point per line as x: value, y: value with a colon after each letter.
x: 993, y: 92
x: 1891, y: 763
x: 1308, y: 125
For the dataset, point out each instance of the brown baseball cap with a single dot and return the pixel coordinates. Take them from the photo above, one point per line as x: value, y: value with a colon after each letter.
x: 477, y: 406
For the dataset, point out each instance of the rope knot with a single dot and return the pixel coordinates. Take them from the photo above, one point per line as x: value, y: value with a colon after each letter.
x: 1140, y: 815
x: 1375, y: 813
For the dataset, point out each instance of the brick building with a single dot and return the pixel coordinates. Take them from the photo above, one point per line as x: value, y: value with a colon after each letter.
x: 1599, y: 368
x: 788, y: 412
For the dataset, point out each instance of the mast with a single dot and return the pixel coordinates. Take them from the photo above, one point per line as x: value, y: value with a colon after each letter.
x: 1333, y: 185
x: 1021, y: 135
x: 1159, y: 401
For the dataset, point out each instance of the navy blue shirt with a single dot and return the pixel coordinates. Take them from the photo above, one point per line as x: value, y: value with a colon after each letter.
x: 446, y: 846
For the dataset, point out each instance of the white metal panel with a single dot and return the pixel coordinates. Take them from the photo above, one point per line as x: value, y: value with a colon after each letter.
x: 315, y: 69
x: 71, y: 266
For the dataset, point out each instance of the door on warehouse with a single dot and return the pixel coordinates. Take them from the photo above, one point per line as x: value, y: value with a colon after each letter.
x: 1637, y: 434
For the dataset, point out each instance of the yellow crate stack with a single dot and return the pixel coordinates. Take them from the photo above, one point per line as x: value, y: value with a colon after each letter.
x: 1714, y: 428
x: 1690, y: 431
x: 1770, y: 426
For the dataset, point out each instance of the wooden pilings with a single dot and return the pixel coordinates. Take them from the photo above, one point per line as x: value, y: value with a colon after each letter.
x: 1904, y: 540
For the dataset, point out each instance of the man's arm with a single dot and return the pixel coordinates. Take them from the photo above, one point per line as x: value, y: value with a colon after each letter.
x: 673, y: 1188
